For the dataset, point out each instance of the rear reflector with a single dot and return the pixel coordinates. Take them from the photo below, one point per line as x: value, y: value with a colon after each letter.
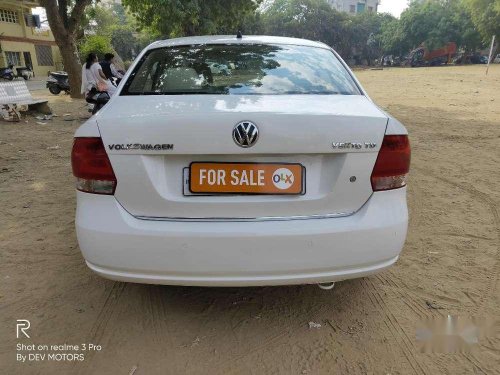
x: 91, y: 166
x: 393, y: 163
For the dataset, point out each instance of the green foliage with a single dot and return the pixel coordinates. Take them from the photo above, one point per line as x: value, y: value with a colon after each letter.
x: 309, y: 19
x: 99, y: 44
x: 128, y: 43
x: 119, y: 28
x: 124, y: 42
x: 366, y: 36
x: 432, y: 22
x: 362, y: 37
x: 486, y: 17
x: 355, y: 36
x: 172, y: 18
x: 392, y: 38
x: 100, y: 20
x: 365, y: 31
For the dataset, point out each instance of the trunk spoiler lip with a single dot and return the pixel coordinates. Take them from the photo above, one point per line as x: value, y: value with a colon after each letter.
x: 376, y: 111
x: 245, y: 219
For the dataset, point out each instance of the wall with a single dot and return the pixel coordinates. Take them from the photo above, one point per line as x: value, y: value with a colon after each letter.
x: 17, y: 37
x: 345, y: 5
x: 39, y: 70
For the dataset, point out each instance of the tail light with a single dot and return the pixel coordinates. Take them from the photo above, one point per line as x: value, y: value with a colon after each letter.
x: 91, y: 166
x: 393, y: 163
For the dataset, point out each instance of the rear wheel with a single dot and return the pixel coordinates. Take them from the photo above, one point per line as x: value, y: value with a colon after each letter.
x: 54, y: 90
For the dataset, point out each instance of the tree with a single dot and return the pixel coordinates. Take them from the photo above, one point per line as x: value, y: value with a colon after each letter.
x: 111, y: 29
x: 310, y: 19
x: 172, y: 18
x: 365, y: 34
x: 432, y: 22
x: 392, y: 38
x: 99, y: 20
x: 65, y: 20
x: 485, y: 16
x: 352, y: 36
x: 99, y: 44
x: 468, y: 36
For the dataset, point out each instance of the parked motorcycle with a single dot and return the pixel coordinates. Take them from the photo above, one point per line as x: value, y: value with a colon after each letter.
x: 7, y: 73
x: 25, y: 72
x: 57, y: 82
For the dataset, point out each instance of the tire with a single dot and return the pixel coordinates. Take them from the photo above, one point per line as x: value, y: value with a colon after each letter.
x: 54, y: 90
x: 10, y: 78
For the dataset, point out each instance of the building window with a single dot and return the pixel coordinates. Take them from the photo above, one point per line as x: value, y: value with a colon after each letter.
x: 8, y: 16
x: 13, y: 58
x: 352, y: 8
x: 370, y: 9
x: 44, y: 55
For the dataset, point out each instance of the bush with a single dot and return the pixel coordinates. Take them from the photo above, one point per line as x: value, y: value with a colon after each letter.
x: 97, y: 44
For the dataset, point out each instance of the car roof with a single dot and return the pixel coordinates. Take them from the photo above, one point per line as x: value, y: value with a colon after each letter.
x: 231, y: 39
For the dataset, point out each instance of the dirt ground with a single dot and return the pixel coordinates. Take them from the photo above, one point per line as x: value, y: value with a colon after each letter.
x: 450, y: 263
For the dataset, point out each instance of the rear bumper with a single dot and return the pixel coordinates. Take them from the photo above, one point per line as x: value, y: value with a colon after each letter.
x: 118, y: 246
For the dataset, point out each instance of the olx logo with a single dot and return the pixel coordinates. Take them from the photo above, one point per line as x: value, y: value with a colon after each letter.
x: 283, y: 178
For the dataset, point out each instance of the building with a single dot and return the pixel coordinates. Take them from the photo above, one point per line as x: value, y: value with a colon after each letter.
x: 23, y: 39
x: 354, y: 6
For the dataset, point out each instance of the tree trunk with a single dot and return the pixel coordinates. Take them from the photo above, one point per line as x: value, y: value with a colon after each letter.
x: 72, y: 66
x: 65, y: 28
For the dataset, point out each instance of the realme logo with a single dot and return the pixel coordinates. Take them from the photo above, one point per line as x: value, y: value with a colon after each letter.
x: 22, y: 326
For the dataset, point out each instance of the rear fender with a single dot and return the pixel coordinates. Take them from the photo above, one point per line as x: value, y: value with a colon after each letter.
x: 88, y: 129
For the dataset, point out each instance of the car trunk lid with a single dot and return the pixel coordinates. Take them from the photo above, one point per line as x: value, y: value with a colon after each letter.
x: 152, y: 140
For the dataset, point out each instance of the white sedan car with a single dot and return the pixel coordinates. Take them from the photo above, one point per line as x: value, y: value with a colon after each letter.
x: 281, y: 172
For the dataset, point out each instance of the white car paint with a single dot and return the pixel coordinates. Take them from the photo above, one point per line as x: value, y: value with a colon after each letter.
x: 150, y: 232
x: 118, y: 246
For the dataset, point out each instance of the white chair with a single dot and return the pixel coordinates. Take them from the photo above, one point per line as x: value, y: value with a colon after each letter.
x: 15, y: 97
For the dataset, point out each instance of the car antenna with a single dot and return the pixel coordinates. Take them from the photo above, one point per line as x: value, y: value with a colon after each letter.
x: 239, y: 35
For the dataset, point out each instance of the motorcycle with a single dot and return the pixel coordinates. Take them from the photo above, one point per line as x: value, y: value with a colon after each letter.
x: 57, y: 82
x: 98, y: 99
x: 7, y: 73
x: 25, y: 72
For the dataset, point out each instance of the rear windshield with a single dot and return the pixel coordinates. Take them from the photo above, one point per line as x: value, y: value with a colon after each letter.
x: 242, y: 69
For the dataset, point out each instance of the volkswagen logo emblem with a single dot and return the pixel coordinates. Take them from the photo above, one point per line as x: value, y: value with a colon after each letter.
x: 245, y: 134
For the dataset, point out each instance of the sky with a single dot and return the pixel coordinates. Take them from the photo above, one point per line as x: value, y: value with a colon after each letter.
x: 394, y: 7
x: 40, y: 11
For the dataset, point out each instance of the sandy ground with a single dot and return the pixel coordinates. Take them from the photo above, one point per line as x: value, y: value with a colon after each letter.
x: 450, y: 263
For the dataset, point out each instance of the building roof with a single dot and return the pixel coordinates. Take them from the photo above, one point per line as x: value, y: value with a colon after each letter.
x: 231, y: 39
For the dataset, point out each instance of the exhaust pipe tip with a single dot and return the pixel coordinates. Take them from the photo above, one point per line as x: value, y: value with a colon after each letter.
x: 326, y: 286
